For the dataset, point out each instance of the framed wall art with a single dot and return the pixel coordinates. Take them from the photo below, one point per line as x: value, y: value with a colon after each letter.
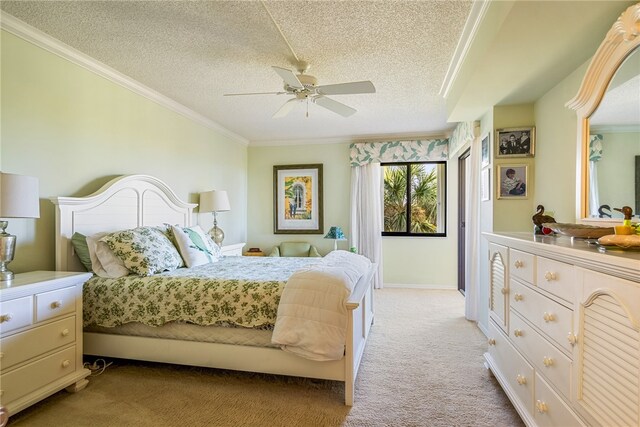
x: 511, y: 182
x: 485, y: 151
x: 515, y: 142
x: 297, y: 192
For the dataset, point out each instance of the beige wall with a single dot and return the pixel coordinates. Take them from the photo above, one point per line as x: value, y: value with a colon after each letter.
x: 74, y: 131
x: 616, y: 169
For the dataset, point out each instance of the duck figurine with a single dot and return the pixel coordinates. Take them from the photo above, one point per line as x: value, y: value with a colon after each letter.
x: 540, y: 218
x: 626, y: 211
x: 602, y: 213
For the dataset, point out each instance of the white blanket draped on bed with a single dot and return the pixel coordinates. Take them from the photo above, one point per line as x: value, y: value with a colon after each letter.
x: 312, y: 315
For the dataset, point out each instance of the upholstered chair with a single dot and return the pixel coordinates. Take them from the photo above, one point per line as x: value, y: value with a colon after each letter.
x: 295, y: 249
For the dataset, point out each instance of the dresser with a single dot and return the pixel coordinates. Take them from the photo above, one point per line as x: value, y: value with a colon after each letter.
x: 564, y: 330
x: 40, y: 338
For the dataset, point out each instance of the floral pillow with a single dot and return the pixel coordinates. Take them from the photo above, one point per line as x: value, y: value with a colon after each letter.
x: 195, y: 246
x: 144, y: 250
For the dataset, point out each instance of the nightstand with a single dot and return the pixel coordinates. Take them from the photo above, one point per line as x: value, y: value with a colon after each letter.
x: 40, y: 337
x: 232, y: 250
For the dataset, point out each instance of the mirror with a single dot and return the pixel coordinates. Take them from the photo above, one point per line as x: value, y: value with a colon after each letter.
x: 614, y: 144
x: 608, y: 110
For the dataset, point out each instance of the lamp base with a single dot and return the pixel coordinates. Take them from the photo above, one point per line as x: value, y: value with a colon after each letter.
x: 217, y: 235
x: 6, y: 275
x: 7, y: 250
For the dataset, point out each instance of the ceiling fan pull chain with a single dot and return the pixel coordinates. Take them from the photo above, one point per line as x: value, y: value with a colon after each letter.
x: 307, y: 107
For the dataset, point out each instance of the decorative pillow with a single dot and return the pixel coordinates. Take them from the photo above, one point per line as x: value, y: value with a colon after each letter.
x: 104, y: 263
x: 144, y: 250
x: 79, y: 242
x: 195, y: 247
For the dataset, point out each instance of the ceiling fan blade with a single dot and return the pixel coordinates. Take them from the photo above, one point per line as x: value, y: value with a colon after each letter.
x: 286, y: 108
x: 255, y: 93
x: 347, y: 88
x: 335, y: 106
x: 289, y: 77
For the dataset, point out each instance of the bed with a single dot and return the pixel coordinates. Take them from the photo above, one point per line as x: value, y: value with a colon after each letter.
x: 132, y: 201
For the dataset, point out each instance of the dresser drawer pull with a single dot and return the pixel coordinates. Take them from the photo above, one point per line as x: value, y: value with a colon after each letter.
x: 64, y: 332
x: 521, y: 379
x: 517, y: 332
x: 549, y: 317
x: 572, y: 338
x: 56, y: 304
x: 504, y: 291
x: 518, y: 264
x: 549, y: 276
x: 547, y: 361
x: 5, y: 318
x: 491, y: 341
x: 541, y: 406
x: 518, y: 297
x: 66, y: 363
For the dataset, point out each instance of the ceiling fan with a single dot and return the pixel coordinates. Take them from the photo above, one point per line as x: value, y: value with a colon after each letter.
x: 304, y: 87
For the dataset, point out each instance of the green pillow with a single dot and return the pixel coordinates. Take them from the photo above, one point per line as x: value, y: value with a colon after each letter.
x: 79, y: 242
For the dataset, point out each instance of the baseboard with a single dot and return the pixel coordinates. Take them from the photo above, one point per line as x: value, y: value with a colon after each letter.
x: 483, y: 328
x: 419, y: 286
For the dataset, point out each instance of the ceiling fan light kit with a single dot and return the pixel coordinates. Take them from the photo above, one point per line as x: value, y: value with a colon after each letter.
x: 305, y: 86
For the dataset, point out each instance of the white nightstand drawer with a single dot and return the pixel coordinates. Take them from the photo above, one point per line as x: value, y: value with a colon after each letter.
x: 26, y: 345
x: 550, y: 409
x: 522, y: 265
x: 545, y: 356
x: 557, y: 278
x: 15, y: 313
x: 19, y: 382
x: 55, y: 303
x: 552, y: 318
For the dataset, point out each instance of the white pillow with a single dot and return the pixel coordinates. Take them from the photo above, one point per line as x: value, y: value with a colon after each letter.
x: 195, y: 246
x: 103, y: 261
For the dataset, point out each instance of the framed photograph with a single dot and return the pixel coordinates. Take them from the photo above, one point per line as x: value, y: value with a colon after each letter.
x: 511, y: 182
x: 515, y: 142
x: 485, y: 151
x: 297, y: 192
x: 485, y: 189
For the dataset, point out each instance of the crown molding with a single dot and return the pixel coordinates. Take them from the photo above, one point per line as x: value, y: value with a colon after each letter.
x: 469, y: 31
x: 633, y: 128
x: 352, y: 139
x: 36, y: 37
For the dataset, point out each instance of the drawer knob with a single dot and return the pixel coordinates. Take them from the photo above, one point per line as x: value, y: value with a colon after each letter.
x: 572, y: 338
x: 492, y: 341
x: 56, y: 304
x: 518, y: 264
x: 504, y: 291
x: 541, y: 406
x: 5, y: 318
x: 66, y: 363
x: 517, y: 332
x: 547, y: 361
x: 521, y: 379
x: 518, y: 297
x: 64, y: 332
x: 549, y: 317
x: 549, y: 276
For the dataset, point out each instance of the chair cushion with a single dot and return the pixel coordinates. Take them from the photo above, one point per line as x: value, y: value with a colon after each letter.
x: 290, y: 249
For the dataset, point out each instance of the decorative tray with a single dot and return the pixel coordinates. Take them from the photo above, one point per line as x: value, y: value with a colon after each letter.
x: 582, y: 231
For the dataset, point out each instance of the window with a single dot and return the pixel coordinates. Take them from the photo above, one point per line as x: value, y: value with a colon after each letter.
x: 418, y: 209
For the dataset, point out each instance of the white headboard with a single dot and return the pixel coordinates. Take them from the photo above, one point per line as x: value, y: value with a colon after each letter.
x: 125, y: 202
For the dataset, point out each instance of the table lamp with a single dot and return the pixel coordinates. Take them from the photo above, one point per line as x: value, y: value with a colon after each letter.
x: 215, y: 201
x: 19, y: 198
x: 336, y: 234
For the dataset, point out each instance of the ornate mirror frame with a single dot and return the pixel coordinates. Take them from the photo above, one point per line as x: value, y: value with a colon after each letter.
x: 622, y: 39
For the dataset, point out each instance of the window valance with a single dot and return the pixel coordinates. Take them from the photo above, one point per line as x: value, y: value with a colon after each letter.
x: 595, y: 147
x: 463, y: 132
x: 363, y: 153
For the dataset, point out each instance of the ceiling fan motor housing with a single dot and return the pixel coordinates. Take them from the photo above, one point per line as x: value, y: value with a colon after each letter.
x: 309, y: 83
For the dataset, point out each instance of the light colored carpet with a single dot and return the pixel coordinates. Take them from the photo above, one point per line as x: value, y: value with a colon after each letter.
x: 423, y: 366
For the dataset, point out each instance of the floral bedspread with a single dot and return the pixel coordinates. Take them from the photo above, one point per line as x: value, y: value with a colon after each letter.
x: 241, y: 291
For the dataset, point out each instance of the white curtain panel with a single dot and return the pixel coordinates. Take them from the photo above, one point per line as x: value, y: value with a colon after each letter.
x: 366, y: 214
x: 473, y: 233
x: 594, y: 194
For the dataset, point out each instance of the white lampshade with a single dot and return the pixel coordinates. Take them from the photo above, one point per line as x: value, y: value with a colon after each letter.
x: 19, y: 196
x: 214, y: 201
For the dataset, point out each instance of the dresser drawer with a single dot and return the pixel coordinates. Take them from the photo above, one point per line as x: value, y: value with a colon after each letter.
x: 16, y: 313
x: 556, y: 278
x: 552, y: 318
x: 55, y: 303
x: 522, y: 265
x: 28, y: 378
x: 545, y: 357
x: 514, y: 368
x: 25, y: 345
x: 550, y: 409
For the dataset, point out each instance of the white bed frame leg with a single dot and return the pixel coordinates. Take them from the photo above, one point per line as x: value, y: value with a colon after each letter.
x: 349, y: 377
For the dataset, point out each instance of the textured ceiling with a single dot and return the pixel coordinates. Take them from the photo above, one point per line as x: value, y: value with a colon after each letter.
x: 195, y: 51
